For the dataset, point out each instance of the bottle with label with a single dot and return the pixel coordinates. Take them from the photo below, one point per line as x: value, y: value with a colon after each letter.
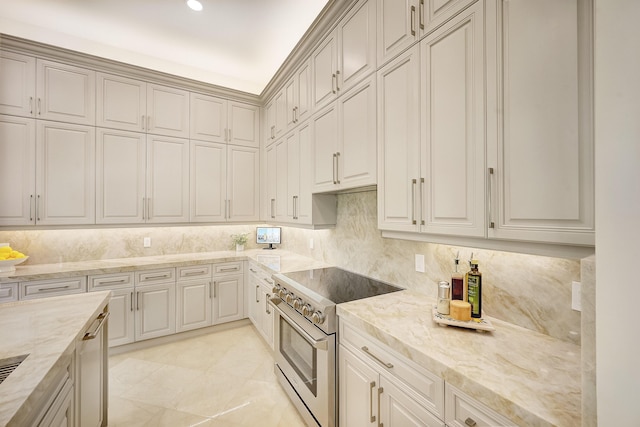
x: 474, y: 283
x: 457, y: 283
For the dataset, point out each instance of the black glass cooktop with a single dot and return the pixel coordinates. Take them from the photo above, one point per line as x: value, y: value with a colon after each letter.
x: 339, y: 285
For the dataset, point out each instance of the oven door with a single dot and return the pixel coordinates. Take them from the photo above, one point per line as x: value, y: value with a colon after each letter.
x: 306, y: 356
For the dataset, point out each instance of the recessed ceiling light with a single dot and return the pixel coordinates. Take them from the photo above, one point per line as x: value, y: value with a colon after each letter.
x: 195, y: 5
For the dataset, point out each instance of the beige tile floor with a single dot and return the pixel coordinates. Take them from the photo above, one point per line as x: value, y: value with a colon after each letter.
x: 223, y: 379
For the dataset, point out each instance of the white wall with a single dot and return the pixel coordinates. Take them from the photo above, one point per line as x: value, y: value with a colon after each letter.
x: 617, y: 126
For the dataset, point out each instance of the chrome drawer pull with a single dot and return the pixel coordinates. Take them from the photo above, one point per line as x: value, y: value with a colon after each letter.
x: 470, y: 422
x: 57, y: 288
x: 113, y: 282
x: 162, y: 276
x: 100, y: 319
x: 194, y: 273
x: 268, y: 281
x: 366, y: 350
x: 229, y: 269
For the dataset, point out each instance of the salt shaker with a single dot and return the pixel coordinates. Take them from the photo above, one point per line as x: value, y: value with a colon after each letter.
x: 444, y: 292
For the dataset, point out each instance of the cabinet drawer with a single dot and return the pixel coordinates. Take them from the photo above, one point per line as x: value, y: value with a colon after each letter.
x: 426, y: 385
x: 110, y: 281
x: 50, y: 288
x: 194, y: 272
x: 464, y: 411
x: 227, y: 268
x: 8, y: 292
x: 150, y: 277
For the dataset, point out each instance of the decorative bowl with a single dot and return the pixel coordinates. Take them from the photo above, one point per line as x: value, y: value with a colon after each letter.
x: 9, y: 265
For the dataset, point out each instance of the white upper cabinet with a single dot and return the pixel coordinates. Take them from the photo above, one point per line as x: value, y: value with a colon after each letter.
x: 65, y: 93
x: 542, y: 186
x: 65, y: 174
x: 345, y: 56
x: 167, y: 179
x: 272, y: 185
x: 120, y: 176
x: 243, y: 126
x: 344, y: 141
x: 431, y: 133
x: 167, y: 111
x: 122, y: 103
x: 17, y: 170
x: 243, y: 184
x: 402, y: 22
x: 208, y: 182
x: 298, y: 96
x: 17, y: 84
x: 399, y: 143
x: 280, y: 171
x: 208, y: 118
x: 453, y: 131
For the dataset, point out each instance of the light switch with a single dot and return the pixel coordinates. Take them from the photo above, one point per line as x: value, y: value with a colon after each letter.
x: 420, y: 263
x: 147, y: 242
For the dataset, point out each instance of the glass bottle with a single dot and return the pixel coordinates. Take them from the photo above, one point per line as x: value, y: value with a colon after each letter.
x: 474, y: 284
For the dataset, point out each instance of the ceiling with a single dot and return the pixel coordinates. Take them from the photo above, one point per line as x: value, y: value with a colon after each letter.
x: 239, y: 44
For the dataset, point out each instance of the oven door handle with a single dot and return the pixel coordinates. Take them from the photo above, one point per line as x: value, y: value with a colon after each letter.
x: 321, y: 344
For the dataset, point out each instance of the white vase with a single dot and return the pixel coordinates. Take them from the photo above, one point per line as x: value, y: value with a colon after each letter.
x: 239, y: 248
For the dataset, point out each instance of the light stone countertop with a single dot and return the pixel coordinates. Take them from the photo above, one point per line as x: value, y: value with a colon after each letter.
x: 277, y: 261
x: 47, y: 330
x: 531, y: 378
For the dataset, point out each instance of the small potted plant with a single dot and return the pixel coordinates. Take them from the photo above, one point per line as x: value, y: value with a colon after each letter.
x: 239, y: 240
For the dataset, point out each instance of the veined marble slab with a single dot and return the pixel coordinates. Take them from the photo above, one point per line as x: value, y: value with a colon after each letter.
x: 47, y: 330
x: 530, y: 378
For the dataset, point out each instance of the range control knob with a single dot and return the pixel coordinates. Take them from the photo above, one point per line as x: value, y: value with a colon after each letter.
x: 307, y: 310
x: 317, y: 317
x: 289, y: 297
x: 298, y: 303
x: 282, y: 292
x: 276, y: 289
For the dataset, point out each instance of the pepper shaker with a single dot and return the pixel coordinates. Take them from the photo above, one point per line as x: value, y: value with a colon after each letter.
x: 444, y: 298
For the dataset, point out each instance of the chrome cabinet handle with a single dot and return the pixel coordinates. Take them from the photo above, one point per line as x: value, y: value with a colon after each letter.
x: 229, y: 269
x: 380, y: 391
x: 337, y: 80
x: 421, y: 14
x: 273, y: 202
x: 422, y: 220
x: 376, y: 358
x: 413, y: 20
x: 131, y: 304
x: 373, y: 417
x: 210, y: 292
x: 38, y: 209
x: 39, y: 107
x: 161, y: 276
x: 57, y: 288
x: 266, y: 304
x: 138, y: 301
x: 113, y: 282
x: 470, y: 422
x: 143, y: 208
x: 230, y: 134
x: 257, y: 299
x: 490, y: 178
x: 252, y: 270
x: 142, y: 121
x: 273, y: 134
x: 100, y: 319
x: 413, y: 201
x: 31, y: 207
x: 334, y: 168
x: 338, y: 167
x: 31, y: 105
x: 215, y: 290
x: 194, y: 273
x: 333, y: 83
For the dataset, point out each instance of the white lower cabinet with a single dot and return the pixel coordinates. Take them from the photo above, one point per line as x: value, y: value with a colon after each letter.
x: 52, y: 287
x: 155, y: 303
x: 228, y: 298
x: 194, y: 297
x: 379, y: 387
x: 259, y: 292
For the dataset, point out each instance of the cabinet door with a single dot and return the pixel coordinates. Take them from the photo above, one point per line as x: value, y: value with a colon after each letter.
x: 244, y: 124
x: 193, y: 304
x: 266, y: 314
x: 167, y: 111
x: 324, y: 67
x: 280, y: 118
x: 399, y: 409
x: 542, y: 188
x: 358, y: 391
x: 17, y: 84
x: 356, y: 156
x: 357, y: 44
x: 155, y: 311
x: 270, y: 125
x: 272, y: 181
x: 66, y: 93
x: 253, y: 297
x: 398, y: 27
x: 167, y: 179
x: 291, y: 100
x: 208, y: 118
x: 303, y: 165
x: 324, y: 141
x: 303, y: 77
x: 65, y: 165
x: 208, y: 185
x: 228, y: 298
x: 282, y: 200
x: 243, y: 187
x: 399, y: 143
x: 453, y: 131
x: 90, y: 383
x: 17, y: 170
x: 120, y: 176
x: 121, y: 318
x: 121, y: 103
x: 293, y: 174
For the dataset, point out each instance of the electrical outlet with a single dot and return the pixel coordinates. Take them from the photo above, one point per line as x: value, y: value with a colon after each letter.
x: 311, y: 243
x: 576, y: 296
x: 146, y: 242
x: 420, y: 263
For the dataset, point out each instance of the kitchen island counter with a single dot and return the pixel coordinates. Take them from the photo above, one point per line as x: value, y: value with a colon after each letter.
x: 47, y: 330
x: 530, y: 378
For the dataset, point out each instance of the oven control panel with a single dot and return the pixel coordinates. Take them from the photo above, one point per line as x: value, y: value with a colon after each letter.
x: 299, y: 304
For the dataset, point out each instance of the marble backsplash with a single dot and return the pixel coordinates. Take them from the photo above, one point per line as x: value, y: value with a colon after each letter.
x: 531, y: 291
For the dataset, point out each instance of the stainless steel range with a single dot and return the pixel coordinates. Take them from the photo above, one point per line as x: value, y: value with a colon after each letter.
x: 305, y: 335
